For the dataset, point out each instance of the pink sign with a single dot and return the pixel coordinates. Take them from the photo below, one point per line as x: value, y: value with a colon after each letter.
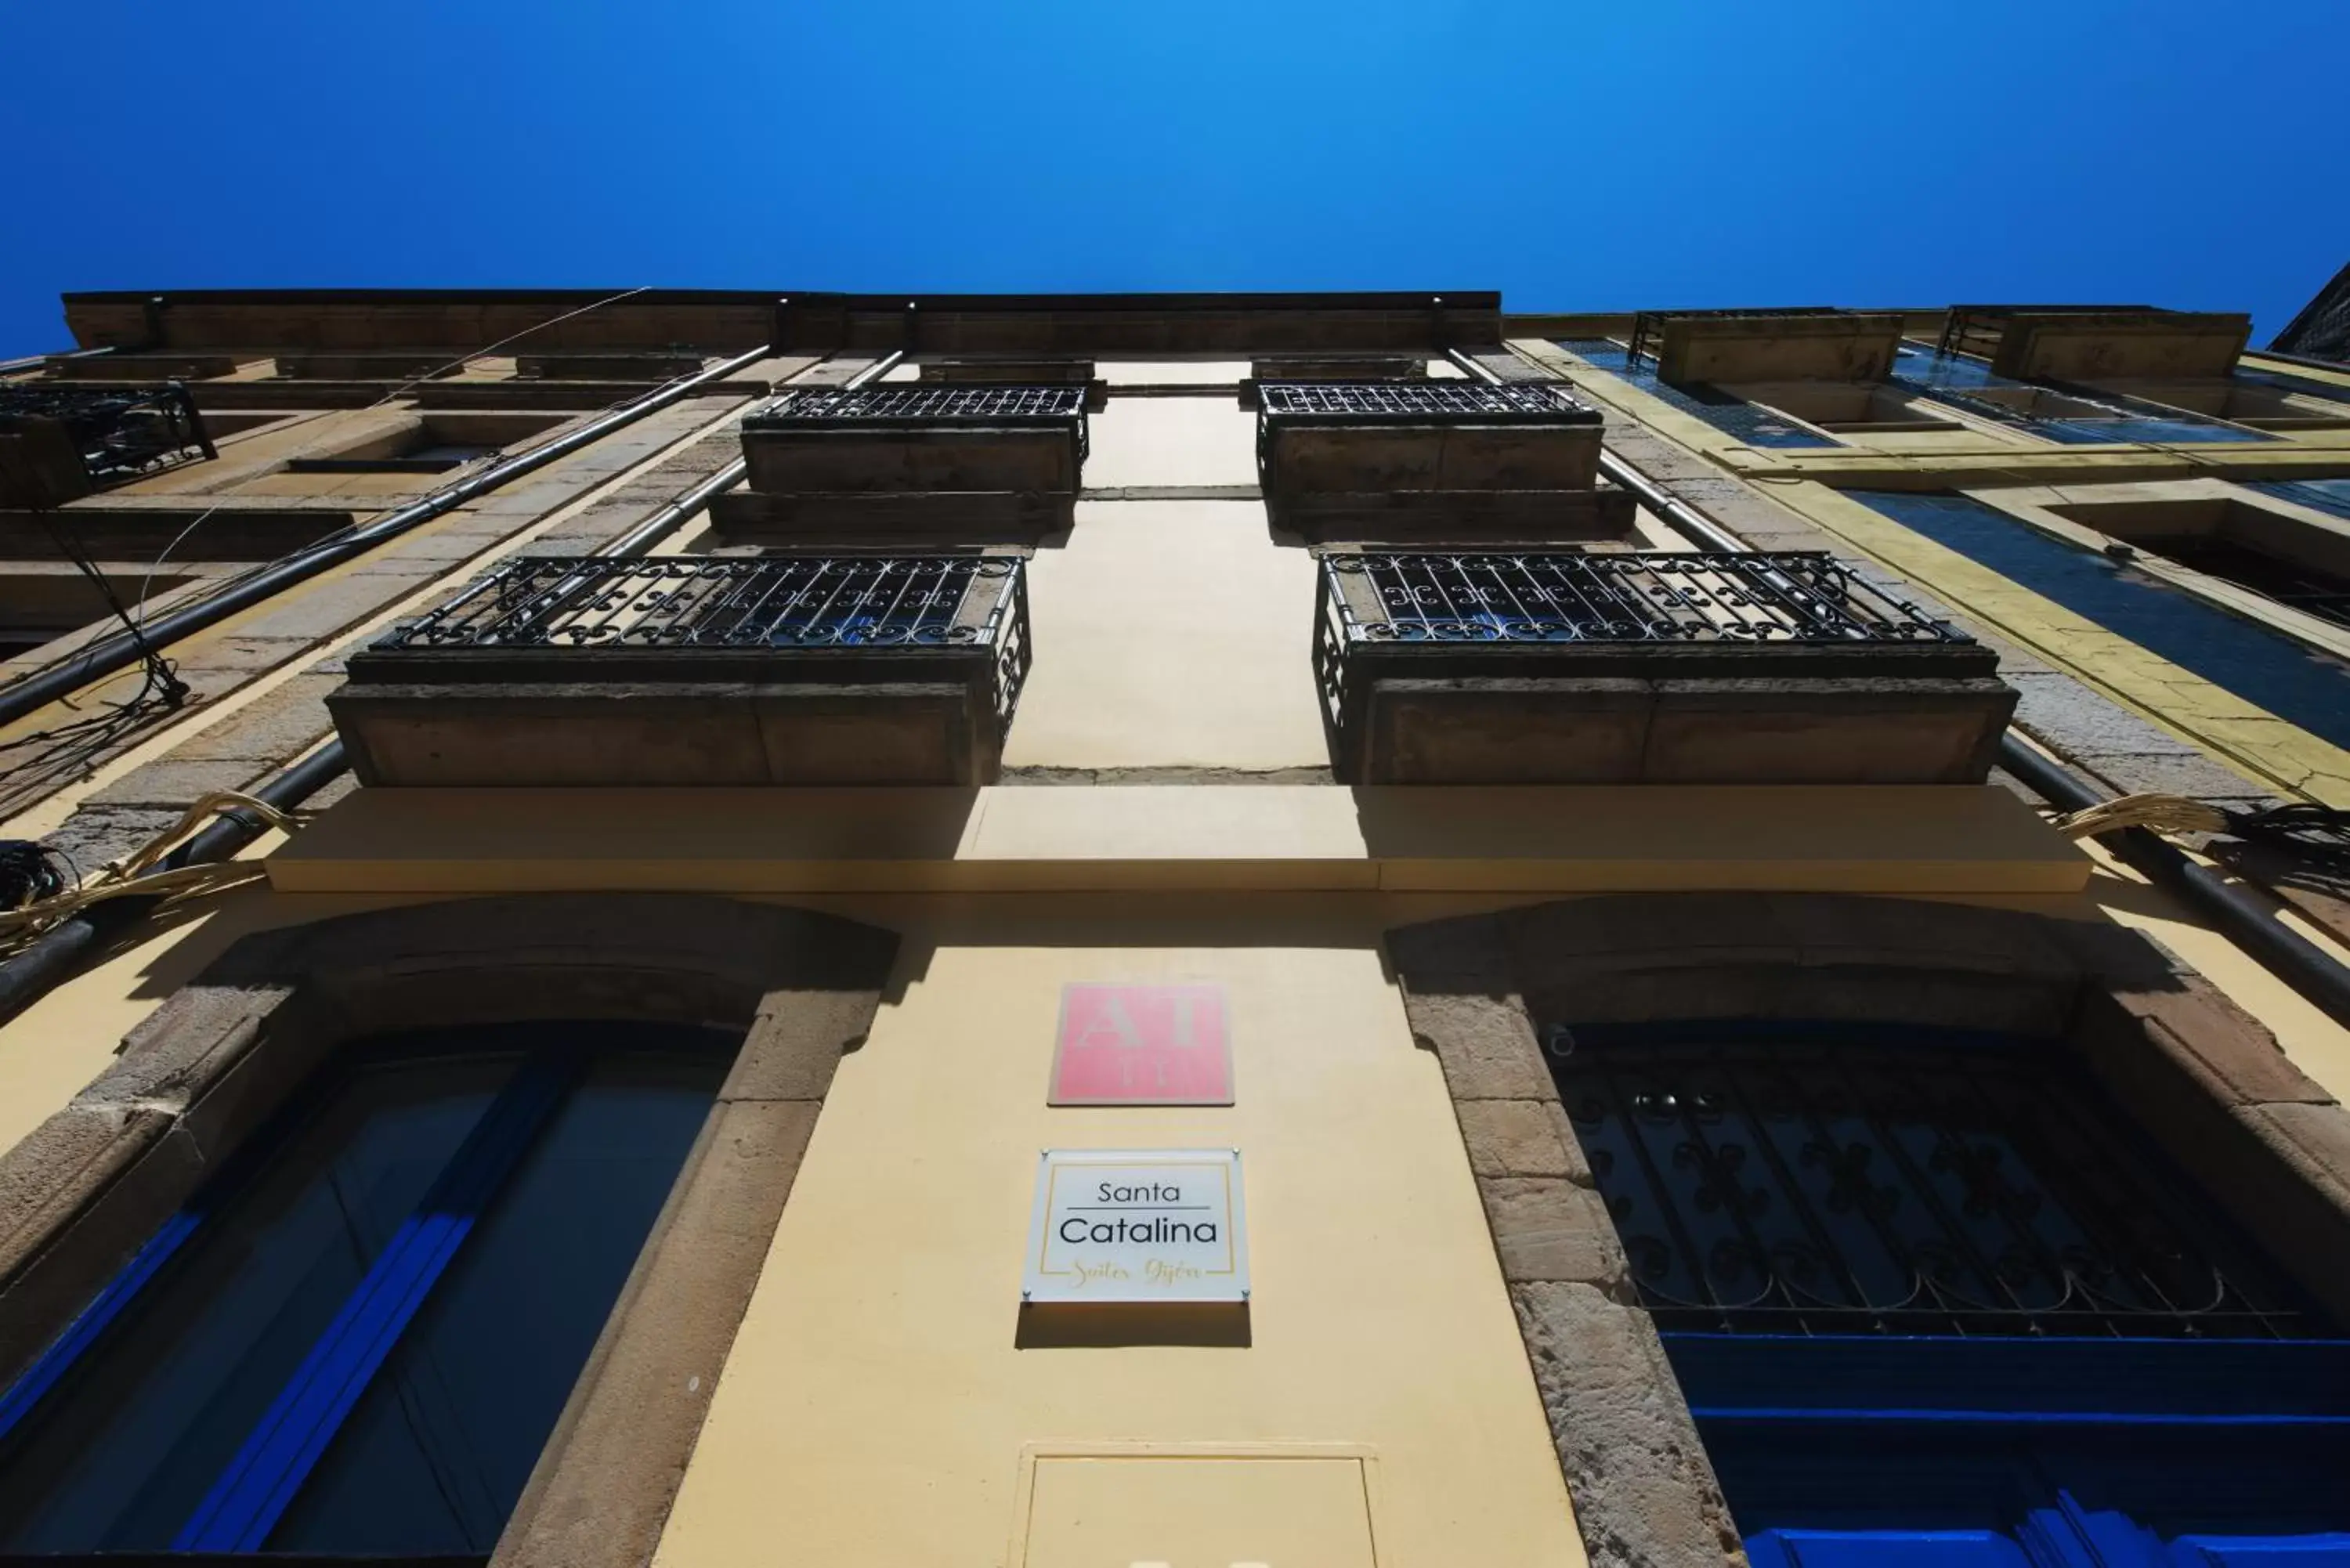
x: 1142, y: 1045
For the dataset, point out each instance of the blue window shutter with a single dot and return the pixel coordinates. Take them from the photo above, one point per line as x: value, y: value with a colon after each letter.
x: 2329, y: 1550
x: 1885, y: 1549
x: 260, y: 1481
x: 94, y: 1319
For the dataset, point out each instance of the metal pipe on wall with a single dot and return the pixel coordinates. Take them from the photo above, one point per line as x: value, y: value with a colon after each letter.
x: 2251, y: 924
x: 695, y: 502
x: 2246, y: 921
x: 125, y: 648
x: 1646, y: 490
x: 56, y: 953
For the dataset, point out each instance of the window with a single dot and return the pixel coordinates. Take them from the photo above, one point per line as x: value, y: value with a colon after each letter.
x: 1932, y: 1303
x: 433, y: 444
x: 42, y: 602
x: 356, y: 1339
x: 2331, y: 496
x: 1842, y: 405
x: 2241, y: 401
x: 2066, y: 417
x: 2298, y: 563
x: 1724, y: 410
x: 405, y: 457
x: 2282, y: 674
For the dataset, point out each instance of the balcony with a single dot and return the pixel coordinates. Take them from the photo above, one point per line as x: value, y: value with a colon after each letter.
x: 1707, y: 347
x: 631, y: 367
x: 59, y: 443
x: 2097, y: 342
x: 909, y: 462
x: 1419, y: 462
x: 1020, y: 372
x: 1470, y: 669
x: 699, y: 671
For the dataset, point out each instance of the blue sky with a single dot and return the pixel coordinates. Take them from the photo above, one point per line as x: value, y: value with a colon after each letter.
x: 1575, y: 155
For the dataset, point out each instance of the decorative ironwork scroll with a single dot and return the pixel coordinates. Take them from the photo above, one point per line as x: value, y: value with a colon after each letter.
x: 690, y: 605
x: 1668, y: 597
x: 901, y: 405
x: 119, y: 435
x: 1421, y: 402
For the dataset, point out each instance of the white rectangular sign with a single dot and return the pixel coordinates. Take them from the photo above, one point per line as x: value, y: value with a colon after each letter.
x: 1138, y: 1225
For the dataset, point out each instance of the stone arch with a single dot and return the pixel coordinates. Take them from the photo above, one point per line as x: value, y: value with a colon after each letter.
x: 200, y: 1075
x: 2204, y: 1079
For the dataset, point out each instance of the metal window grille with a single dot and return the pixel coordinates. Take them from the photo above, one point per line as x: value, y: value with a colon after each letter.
x: 912, y: 406
x: 1809, y: 1184
x: 119, y: 435
x: 1419, y: 401
x: 870, y: 603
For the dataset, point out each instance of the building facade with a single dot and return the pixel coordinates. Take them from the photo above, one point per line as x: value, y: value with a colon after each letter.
x: 2320, y: 331
x: 1197, y: 930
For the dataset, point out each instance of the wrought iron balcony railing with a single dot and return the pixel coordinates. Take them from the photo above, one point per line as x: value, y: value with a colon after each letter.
x: 1808, y: 597
x: 870, y: 604
x: 910, y: 464
x: 1420, y: 402
x: 1509, y: 667
x: 1450, y: 461
x: 912, y: 406
x: 850, y: 670
x: 114, y: 435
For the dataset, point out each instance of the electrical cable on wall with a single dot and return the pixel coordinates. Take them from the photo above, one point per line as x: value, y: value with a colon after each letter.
x: 2316, y: 836
x: 30, y: 873
x: 396, y: 393
x: 163, y: 691
x: 160, y: 688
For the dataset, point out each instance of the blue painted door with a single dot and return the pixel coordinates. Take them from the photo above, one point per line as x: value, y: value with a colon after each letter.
x: 1896, y: 1494
x: 1884, y: 1549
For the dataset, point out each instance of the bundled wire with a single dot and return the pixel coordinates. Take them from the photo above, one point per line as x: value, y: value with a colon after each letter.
x: 76, y: 741
x: 162, y: 692
x: 49, y: 901
x: 31, y: 871
x: 2317, y: 837
x: 2162, y: 812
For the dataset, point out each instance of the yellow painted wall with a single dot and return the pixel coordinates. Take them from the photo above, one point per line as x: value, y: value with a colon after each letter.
x: 1170, y: 633
x: 1171, y: 440
x: 874, y: 1405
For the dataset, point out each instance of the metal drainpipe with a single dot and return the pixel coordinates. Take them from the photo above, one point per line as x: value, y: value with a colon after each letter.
x: 691, y: 505
x: 2247, y: 920
x: 123, y: 649
x: 1647, y: 491
x: 40, y: 967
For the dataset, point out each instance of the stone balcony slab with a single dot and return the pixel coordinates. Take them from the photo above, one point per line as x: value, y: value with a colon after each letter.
x: 698, y: 672
x: 1419, y: 460
x: 835, y: 455
x: 1479, y: 668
